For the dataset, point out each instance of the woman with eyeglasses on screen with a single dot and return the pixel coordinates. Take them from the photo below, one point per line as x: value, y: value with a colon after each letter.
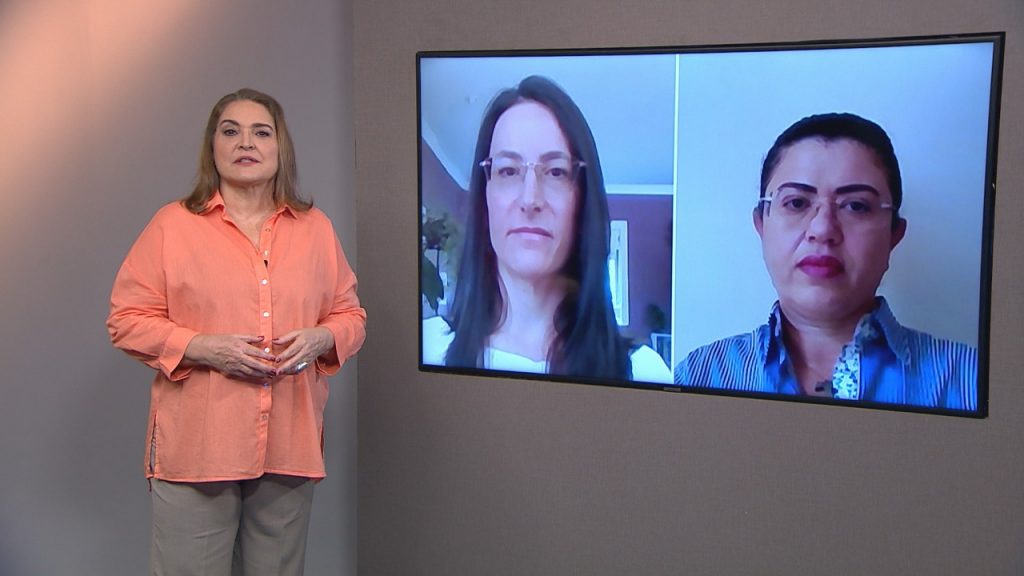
x: 533, y: 290
x: 828, y: 218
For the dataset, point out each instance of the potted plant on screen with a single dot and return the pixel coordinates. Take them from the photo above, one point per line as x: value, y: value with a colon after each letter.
x: 439, y: 236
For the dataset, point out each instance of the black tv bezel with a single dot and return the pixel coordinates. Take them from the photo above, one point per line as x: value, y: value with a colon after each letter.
x: 997, y: 39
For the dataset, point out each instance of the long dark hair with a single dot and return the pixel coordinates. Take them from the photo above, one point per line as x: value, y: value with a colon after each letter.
x: 587, y: 341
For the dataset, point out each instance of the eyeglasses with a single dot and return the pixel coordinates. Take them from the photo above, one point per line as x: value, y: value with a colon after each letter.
x: 556, y: 175
x: 795, y: 206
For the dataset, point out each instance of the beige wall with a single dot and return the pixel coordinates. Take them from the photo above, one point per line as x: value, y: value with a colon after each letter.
x: 464, y: 475
x: 104, y: 104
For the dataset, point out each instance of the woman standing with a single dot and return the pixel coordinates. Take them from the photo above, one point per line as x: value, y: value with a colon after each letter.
x: 241, y: 298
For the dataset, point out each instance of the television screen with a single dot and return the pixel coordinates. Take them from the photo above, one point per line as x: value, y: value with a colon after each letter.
x: 807, y: 221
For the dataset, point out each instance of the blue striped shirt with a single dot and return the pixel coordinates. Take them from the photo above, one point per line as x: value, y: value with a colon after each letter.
x: 898, y: 366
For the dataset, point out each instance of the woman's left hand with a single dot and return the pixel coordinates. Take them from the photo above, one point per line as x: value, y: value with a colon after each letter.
x: 304, y: 346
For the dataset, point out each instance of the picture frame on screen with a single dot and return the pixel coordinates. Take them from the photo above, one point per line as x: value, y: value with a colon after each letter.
x: 806, y: 221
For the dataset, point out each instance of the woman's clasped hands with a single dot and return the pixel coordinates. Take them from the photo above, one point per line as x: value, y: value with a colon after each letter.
x: 249, y: 358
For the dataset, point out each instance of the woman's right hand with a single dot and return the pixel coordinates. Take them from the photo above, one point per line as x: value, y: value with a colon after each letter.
x: 233, y: 355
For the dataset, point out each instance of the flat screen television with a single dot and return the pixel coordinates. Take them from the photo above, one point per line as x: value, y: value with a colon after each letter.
x: 804, y: 221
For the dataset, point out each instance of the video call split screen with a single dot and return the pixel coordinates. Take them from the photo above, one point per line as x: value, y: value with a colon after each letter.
x: 807, y: 222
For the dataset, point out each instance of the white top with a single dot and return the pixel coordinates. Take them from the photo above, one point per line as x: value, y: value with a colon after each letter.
x: 647, y: 365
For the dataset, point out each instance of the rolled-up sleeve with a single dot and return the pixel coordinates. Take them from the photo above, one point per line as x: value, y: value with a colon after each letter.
x: 138, y: 322
x: 346, y: 319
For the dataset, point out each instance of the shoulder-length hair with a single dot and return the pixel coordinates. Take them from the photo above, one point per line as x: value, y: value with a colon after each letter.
x: 286, y: 182
x: 587, y: 341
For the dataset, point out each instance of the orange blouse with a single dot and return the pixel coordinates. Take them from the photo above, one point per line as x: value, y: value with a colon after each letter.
x: 198, y: 273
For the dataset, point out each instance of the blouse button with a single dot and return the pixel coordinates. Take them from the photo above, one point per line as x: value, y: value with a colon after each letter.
x: 264, y: 281
x: 266, y: 314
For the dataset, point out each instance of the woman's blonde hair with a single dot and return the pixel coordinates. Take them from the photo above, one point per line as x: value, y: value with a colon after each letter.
x: 286, y: 182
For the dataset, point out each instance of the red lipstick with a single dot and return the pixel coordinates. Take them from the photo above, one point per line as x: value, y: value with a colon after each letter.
x: 821, y: 266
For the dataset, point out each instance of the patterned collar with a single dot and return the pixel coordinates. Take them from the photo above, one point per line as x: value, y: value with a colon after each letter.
x: 881, y: 318
x: 876, y: 327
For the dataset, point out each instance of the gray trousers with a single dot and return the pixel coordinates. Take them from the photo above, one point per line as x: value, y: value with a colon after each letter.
x: 239, y: 528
